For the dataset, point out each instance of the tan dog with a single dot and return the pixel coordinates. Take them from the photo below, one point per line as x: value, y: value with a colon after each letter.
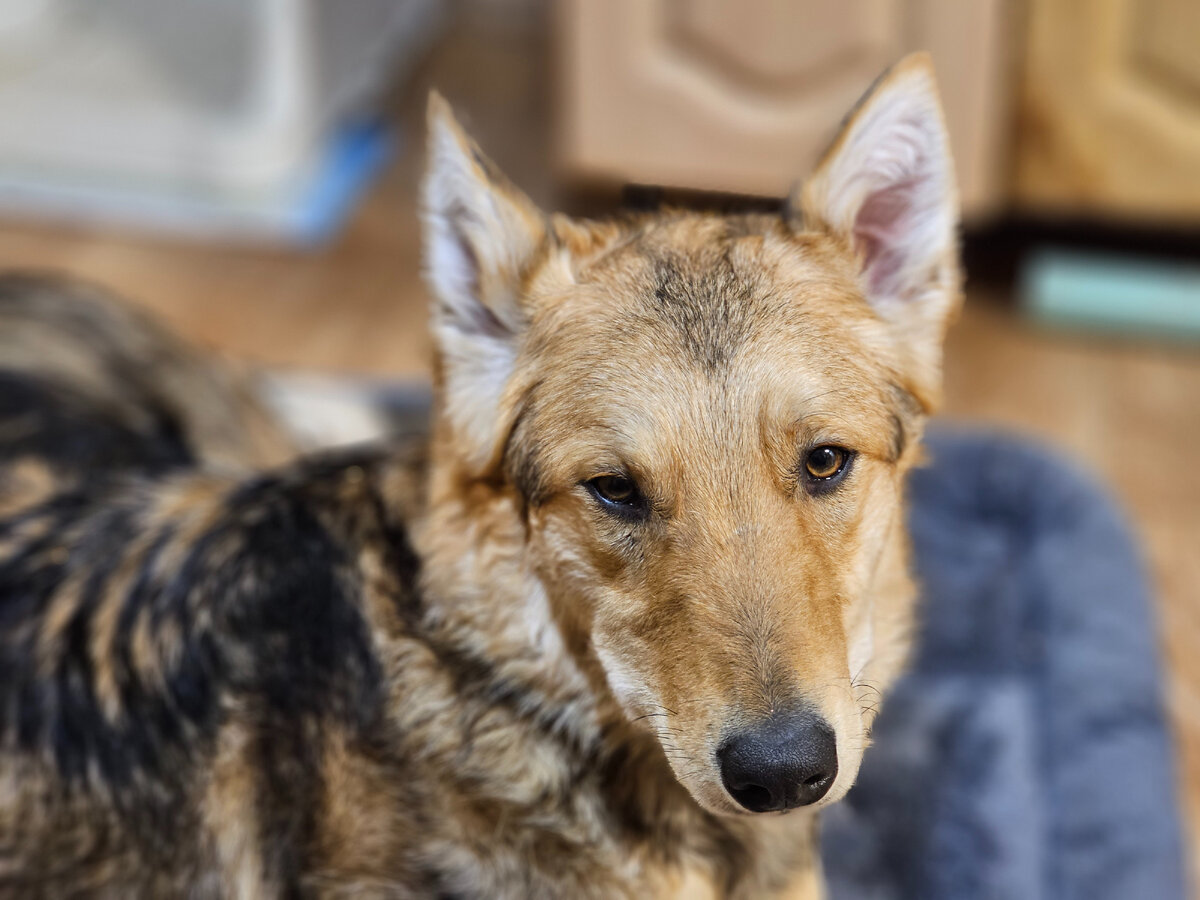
x: 640, y: 602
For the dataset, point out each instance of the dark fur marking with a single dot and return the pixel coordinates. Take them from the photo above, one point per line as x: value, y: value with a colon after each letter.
x: 307, y: 632
x: 69, y: 431
x: 28, y: 578
x: 269, y: 577
x: 907, y: 410
x: 708, y: 303
x: 899, y: 437
x: 155, y: 726
x: 522, y: 456
x: 78, y: 731
x: 65, y: 505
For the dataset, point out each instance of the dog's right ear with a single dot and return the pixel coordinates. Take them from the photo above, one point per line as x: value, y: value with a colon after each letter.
x: 480, y: 236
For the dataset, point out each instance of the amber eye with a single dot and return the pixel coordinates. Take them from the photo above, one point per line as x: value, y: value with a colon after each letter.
x: 826, y: 463
x: 616, y: 492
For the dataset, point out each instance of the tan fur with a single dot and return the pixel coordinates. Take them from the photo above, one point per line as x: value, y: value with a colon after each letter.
x: 534, y: 702
x: 744, y: 596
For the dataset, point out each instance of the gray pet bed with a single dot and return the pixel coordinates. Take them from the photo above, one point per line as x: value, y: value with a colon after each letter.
x: 1026, y: 755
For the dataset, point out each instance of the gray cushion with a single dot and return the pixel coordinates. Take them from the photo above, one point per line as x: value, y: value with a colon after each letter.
x: 1026, y: 754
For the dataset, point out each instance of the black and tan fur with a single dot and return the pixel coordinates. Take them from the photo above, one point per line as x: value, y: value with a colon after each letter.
x: 450, y: 671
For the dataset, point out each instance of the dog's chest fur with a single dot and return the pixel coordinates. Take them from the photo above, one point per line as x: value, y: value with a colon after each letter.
x: 503, y: 796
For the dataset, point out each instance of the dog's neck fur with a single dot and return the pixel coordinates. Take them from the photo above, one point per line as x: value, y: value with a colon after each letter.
x: 472, y: 541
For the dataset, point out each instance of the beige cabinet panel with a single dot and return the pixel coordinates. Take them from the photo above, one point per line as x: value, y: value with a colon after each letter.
x: 742, y: 95
x: 1111, y: 109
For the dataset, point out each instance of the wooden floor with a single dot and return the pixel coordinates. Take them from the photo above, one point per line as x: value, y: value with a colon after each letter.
x: 1128, y: 412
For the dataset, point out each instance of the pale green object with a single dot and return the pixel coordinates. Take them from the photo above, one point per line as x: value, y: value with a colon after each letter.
x: 1114, y: 294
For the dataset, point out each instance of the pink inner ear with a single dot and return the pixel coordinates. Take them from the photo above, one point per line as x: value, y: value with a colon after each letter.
x: 880, y: 232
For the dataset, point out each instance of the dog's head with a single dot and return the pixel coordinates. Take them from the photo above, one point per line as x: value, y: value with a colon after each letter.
x: 707, y: 420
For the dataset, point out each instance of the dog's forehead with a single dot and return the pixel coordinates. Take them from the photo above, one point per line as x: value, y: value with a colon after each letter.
x: 697, y: 324
x: 711, y: 288
x: 704, y: 263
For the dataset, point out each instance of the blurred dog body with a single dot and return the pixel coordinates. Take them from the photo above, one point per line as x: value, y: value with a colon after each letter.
x: 634, y: 599
x: 97, y: 360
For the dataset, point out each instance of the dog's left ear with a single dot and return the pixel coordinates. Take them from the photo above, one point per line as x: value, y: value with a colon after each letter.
x: 481, y: 235
x: 885, y: 188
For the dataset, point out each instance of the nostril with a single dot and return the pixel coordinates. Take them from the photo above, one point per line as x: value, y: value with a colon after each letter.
x: 754, y: 797
x: 748, y: 777
x: 814, y: 788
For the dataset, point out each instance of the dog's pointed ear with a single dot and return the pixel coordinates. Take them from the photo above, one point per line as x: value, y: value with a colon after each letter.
x: 480, y: 236
x: 886, y: 189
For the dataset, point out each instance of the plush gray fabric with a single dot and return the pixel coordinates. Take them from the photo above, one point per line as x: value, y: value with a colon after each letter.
x: 1026, y: 755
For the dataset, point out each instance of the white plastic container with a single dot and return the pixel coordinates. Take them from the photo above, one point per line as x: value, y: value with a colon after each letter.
x: 196, y: 115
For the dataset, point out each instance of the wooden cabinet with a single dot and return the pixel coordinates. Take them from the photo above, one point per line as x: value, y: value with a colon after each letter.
x: 743, y: 96
x: 1110, y: 109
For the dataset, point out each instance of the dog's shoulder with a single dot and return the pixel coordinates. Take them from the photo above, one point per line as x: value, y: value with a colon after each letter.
x: 129, y: 592
x: 162, y: 635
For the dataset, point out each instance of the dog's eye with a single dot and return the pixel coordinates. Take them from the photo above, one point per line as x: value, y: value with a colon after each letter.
x: 825, y: 461
x: 616, y: 492
x: 825, y: 466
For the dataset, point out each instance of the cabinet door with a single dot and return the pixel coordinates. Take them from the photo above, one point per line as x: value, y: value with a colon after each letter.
x: 1111, y: 109
x: 743, y: 96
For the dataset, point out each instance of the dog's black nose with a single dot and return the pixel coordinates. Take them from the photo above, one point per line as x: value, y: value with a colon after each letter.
x: 784, y: 762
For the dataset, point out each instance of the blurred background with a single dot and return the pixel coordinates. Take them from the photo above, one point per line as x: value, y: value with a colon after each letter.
x: 247, y: 169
